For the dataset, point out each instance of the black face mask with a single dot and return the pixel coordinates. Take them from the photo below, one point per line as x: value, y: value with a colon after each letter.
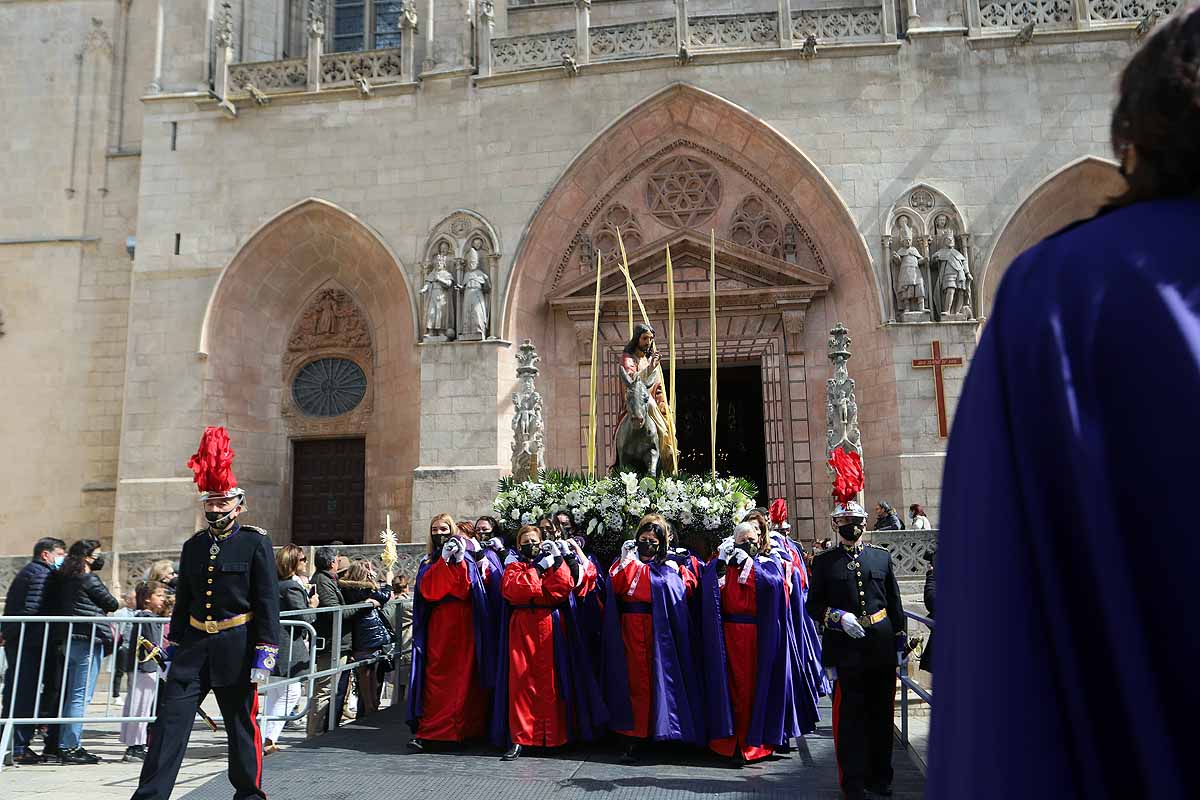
x: 171, y: 584
x: 749, y: 548
x: 218, y: 520
x: 97, y: 563
x: 647, y: 548
x: 529, y: 549
x: 850, y: 533
x: 439, y: 540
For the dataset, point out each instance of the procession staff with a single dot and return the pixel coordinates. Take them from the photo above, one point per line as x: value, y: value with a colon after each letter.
x: 546, y: 694
x: 748, y: 650
x: 855, y: 594
x: 224, y: 633
x: 651, y: 683
x: 448, y: 686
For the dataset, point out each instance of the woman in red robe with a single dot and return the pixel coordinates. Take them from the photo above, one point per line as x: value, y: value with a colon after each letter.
x: 449, y: 700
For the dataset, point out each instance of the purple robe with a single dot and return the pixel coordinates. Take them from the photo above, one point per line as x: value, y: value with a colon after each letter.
x: 677, y: 713
x: 773, y: 719
x: 485, y: 651
x: 1066, y: 655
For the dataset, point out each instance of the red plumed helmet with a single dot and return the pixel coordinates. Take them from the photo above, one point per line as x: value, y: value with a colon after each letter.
x: 847, y: 474
x: 779, y: 513
x: 212, y: 465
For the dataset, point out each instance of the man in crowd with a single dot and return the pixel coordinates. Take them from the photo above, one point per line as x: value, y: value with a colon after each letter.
x: 886, y: 518
x: 26, y: 598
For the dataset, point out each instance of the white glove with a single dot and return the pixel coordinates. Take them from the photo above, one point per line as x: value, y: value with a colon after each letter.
x: 448, y: 550
x: 495, y: 544
x: 547, y: 561
x: 259, y: 675
x: 739, y: 556
x: 628, y: 551
x: 726, y: 550
x: 851, y: 625
x: 556, y: 548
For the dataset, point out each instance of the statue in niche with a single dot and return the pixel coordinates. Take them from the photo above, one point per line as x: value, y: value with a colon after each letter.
x: 476, y: 287
x: 439, y: 291
x: 326, y: 323
x: 910, y: 285
x: 954, y: 276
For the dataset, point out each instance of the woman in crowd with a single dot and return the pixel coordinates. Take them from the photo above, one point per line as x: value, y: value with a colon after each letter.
x: 920, y: 522
x: 371, y: 632
x: 77, y: 591
x: 545, y: 694
x: 647, y: 633
x: 450, y: 679
x: 749, y: 655
x: 163, y: 572
x: 292, y: 567
x: 150, y: 600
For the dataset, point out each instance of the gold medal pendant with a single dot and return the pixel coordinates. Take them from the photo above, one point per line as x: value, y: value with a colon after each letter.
x: 212, y: 551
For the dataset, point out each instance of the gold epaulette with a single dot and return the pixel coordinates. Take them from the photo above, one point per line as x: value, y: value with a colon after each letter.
x: 256, y: 529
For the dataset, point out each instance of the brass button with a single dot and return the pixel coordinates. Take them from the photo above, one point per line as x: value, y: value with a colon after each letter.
x: 862, y: 594
x: 210, y: 580
x: 208, y: 605
x: 211, y: 568
x: 209, y: 593
x: 208, y: 617
x: 860, y: 583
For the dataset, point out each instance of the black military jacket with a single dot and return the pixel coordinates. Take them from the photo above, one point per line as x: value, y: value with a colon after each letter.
x: 220, y: 578
x: 862, y: 582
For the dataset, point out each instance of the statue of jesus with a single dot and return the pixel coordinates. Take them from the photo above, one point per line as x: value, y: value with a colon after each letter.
x: 639, y: 359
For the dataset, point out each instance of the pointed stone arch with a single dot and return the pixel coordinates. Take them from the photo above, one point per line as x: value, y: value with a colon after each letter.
x: 708, y: 157
x: 253, y: 343
x: 1074, y: 192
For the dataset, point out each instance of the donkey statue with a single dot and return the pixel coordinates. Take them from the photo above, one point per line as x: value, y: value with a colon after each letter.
x: 637, y: 435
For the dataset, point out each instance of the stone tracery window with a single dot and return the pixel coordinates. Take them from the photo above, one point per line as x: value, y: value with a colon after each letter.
x: 605, y: 237
x: 683, y: 191
x: 754, y: 226
x: 329, y: 387
x: 365, y: 25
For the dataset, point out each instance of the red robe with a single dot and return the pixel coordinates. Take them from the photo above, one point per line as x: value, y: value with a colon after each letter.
x: 637, y: 633
x: 455, y: 703
x: 537, y: 714
x: 741, y: 658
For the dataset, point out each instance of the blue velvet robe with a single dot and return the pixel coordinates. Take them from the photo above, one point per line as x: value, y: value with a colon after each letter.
x: 1066, y: 650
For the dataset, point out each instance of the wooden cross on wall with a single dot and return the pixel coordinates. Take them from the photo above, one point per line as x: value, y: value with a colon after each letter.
x: 937, y: 364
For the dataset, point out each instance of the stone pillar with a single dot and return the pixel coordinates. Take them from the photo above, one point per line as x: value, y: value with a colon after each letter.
x: 974, y: 24
x: 583, y: 22
x: 682, y: 33
x: 159, y: 32
x: 464, y: 442
x: 224, y: 43
x: 1083, y: 16
x: 427, y: 60
x: 487, y: 29
x: 408, y: 40
x: 913, y: 19
x: 316, y: 43
x: 889, y: 21
x: 785, y: 24
x: 841, y: 407
x: 529, y: 430
x: 886, y: 242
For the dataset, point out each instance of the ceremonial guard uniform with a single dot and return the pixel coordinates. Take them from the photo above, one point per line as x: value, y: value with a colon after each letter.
x: 854, y: 593
x: 224, y: 634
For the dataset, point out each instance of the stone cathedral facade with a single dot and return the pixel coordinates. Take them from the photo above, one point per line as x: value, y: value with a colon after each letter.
x: 328, y: 225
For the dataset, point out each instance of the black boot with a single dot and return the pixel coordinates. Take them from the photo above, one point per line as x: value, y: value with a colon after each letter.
x: 881, y: 789
x: 513, y: 753
x: 630, y: 754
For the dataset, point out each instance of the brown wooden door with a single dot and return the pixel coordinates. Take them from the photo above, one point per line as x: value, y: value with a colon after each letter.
x: 328, y: 485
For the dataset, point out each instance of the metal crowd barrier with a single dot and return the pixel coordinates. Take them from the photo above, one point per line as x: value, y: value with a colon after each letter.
x: 40, y: 637
x: 907, y: 683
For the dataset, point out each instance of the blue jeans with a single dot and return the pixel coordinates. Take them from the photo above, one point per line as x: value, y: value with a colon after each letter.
x: 79, y: 684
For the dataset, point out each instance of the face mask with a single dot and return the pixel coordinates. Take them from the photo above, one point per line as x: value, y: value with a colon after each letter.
x: 58, y: 561
x: 173, y: 582
x: 529, y: 549
x: 647, y: 548
x: 218, y: 521
x: 439, y: 540
x: 98, y: 563
x: 850, y: 533
x: 749, y: 548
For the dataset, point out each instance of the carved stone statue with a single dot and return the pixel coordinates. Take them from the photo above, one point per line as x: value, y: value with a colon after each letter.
x: 840, y: 404
x: 954, y: 277
x: 910, y: 285
x: 439, y: 292
x: 529, y: 440
x: 476, y: 287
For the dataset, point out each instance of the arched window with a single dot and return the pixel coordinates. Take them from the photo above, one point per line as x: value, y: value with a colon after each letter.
x: 365, y: 25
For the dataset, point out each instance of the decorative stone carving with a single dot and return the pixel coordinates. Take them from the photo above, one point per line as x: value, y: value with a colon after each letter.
x: 926, y: 215
x: 529, y: 432
x: 332, y: 322
x: 907, y: 278
x: 1131, y: 10
x: 952, y: 276
x: 375, y: 66
x: 604, y: 239
x: 586, y: 250
x: 1019, y: 13
x: 735, y: 30
x: 841, y: 408
x: 532, y: 52
x: 476, y: 289
x: 224, y: 26
x: 289, y: 75
x: 683, y: 191
x: 315, y: 25
x: 633, y: 40
x: 438, y: 295
x: 754, y: 226
x: 466, y: 246
x: 828, y: 25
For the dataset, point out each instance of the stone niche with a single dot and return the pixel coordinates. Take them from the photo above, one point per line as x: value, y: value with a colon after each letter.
x: 458, y: 297
x: 927, y: 257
